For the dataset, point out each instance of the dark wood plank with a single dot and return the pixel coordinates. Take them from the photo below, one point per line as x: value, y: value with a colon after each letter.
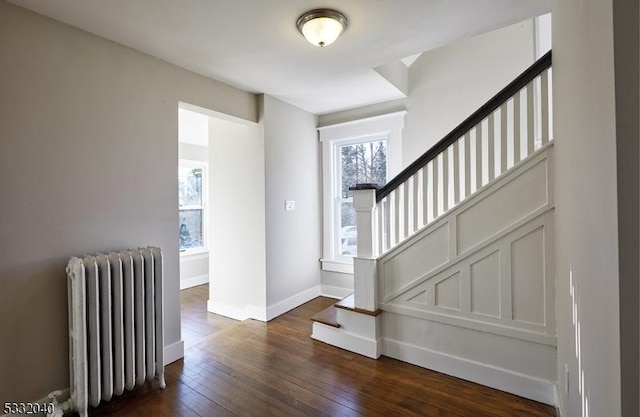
x: 260, y: 369
x: 328, y: 316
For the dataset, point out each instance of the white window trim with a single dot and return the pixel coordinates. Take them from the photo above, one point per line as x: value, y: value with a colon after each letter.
x: 390, y: 125
x: 203, y: 250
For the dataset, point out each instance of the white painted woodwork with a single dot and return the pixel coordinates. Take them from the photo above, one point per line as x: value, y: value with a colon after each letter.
x: 402, y: 267
x: 359, y: 333
x: 416, y: 202
x: 434, y: 188
x: 425, y: 194
x: 516, y: 128
x: 456, y: 172
x: 527, y: 268
x: 467, y: 164
x: 364, y: 284
x: 478, y: 156
x: 406, y: 218
x: 484, y: 278
x: 530, y: 123
x: 491, y: 145
x: 518, y: 198
x: 500, y: 279
x: 503, y: 138
x: 396, y: 215
x: 447, y: 292
x: 364, y: 203
x: 544, y: 105
x: 513, y: 365
x: 445, y: 180
x: 380, y: 213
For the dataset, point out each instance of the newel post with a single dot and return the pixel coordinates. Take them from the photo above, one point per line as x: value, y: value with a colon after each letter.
x: 364, y: 264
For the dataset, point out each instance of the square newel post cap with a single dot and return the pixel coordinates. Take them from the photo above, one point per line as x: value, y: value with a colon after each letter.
x: 364, y: 186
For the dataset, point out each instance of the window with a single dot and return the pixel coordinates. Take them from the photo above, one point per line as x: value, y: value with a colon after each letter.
x: 357, y: 162
x: 363, y: 151
x: 192, y: 203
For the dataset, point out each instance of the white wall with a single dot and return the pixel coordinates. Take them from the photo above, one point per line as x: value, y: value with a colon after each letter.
x: 237, y: 279
x: 587, y: 284
x: 88, y: 160
x: 447, y: 84
x: 193, y: 152
x: 292, y: 237
x: 194, y: 268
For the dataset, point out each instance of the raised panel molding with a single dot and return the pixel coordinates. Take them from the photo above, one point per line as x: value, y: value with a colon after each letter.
x: 501, y: 283
x: 419, y: 256
x: 527, y: 277
x: 448, y: 292
x: 503, y: 206
x: 485, y: 285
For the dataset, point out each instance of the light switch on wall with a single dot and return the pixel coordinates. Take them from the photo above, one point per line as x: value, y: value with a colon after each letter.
x: 289, y: 205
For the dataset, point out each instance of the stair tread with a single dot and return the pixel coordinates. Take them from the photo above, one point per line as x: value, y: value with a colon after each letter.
x: 328, y: 316
x: 349, y: 303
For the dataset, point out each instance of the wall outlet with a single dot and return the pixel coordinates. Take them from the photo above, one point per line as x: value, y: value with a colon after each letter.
x: 566, y: 380
x: 289, y: 205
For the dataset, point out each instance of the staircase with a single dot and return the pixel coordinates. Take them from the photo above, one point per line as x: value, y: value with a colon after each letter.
x: 454, y: 270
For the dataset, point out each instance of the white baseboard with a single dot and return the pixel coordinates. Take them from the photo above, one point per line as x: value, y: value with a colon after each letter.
x: 347, y: 341
x: 498, y: 378
x: 194, y: 281
x: 233, y: 312
x: 335, y: 292
x: 173, y: 352
x: 292, y: 302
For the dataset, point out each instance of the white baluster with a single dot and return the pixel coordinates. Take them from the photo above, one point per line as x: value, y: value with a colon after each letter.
x: 544, y: 105
x: 416, y: 201
x: 491, y: 152
x: 425, y: 195
x: 467, y: 164
x: 456, y: 172
x: 406, y: 217
x: 503, y: 138
x: 478, y: 157
x: 516, y: 128
x: 445, y: 180
x: 530, y: 109
x: 434, y: 165
x: 396, y: 215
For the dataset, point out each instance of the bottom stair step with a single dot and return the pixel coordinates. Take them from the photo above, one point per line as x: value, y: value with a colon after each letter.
x: 328, y: 316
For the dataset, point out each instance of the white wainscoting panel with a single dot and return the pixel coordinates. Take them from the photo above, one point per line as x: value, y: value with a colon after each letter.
x: 501, y: 278
x: 485, y: 285
x: 500, y: 207
x: 405, y: 266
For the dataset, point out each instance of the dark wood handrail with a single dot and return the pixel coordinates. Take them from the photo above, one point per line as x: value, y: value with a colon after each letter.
x: 496, y: 101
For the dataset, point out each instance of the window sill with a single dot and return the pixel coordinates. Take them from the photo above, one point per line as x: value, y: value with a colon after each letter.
x: 194, y: 254
x: 344, y: 267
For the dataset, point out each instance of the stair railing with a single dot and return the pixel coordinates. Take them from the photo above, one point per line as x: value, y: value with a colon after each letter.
x: 505, y: 130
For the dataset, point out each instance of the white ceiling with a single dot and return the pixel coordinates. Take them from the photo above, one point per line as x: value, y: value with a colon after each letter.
x: 254, y: 44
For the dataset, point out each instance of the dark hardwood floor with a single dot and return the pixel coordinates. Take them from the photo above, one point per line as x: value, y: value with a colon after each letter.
x: 275, y: 369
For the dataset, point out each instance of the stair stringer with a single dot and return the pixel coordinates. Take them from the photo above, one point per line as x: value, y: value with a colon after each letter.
x: 472, y: 294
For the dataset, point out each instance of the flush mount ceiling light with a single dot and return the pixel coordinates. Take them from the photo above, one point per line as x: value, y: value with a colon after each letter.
x: 321, y: 27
